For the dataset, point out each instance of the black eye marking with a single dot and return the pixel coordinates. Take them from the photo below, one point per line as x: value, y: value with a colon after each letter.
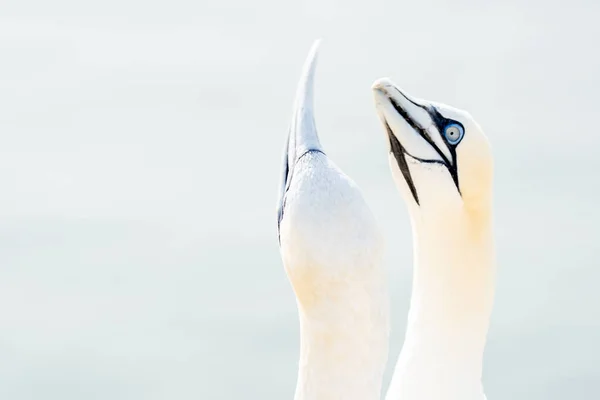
x: 422, y: 132
x: 441, y: 123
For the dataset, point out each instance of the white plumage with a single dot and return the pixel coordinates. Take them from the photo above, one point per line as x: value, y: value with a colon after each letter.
x: 448, y: 192
x: 332, y: 250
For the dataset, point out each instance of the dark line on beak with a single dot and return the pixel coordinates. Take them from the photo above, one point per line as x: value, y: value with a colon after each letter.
x: 400, y: 156
x: 417, y: 128
x: 440, y: 123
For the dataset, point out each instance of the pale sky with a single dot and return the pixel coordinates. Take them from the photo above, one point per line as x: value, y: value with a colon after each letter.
x: 140, y: 147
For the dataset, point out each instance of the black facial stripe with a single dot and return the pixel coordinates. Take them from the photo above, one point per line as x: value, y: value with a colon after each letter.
x: 424, y: 161
x: 400, y: 156
x: 288, y: 178
x: 286, y: 173
x: 435, y: 115
x: 310, y: 151
x: 424, y: 134
x: 441, y: 122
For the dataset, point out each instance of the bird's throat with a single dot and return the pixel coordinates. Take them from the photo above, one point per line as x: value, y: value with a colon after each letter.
x: 451, y: 304
x: 344, y: 337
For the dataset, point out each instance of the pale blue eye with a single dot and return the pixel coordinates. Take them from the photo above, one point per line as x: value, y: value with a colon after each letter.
x: 454, y: 133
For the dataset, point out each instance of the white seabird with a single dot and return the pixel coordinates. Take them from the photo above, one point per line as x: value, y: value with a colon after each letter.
x: 442, y: 163
x: 332, y: 250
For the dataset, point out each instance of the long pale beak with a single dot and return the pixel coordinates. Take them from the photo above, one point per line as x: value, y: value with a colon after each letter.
x: 411, y: 122
x: 414, y: 128
x: 302, y: 135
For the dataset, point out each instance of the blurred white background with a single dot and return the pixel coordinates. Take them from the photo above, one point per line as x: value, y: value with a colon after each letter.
x: 140, y: 146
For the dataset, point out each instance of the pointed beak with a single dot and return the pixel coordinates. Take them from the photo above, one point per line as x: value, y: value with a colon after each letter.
x: 410, y: 120
x: 386, y: 91
x: 414, y: 128
x: 302, y: 135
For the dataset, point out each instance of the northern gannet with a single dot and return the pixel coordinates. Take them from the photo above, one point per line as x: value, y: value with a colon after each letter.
x: 332, y: 250
x: 442, y: 164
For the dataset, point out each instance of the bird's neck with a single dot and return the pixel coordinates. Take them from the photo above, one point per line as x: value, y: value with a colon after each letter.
x: 451, y: 304
x: 344, y: 331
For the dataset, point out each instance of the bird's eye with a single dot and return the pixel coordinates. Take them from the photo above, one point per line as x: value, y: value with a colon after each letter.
x: 454, y: 133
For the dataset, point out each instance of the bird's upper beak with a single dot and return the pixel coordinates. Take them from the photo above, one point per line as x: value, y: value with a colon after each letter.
x: 302, y: 136
x: 411, y: 122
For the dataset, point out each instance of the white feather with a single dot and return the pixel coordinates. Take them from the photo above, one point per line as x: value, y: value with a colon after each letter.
x: 332, y: 250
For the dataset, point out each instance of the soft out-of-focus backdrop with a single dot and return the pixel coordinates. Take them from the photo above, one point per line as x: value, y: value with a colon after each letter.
x: 139, y: 159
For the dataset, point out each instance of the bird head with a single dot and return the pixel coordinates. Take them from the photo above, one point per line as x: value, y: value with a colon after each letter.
x: 439, y: 155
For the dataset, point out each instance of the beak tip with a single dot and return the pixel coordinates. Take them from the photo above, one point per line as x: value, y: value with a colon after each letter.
x: 382, y: 85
